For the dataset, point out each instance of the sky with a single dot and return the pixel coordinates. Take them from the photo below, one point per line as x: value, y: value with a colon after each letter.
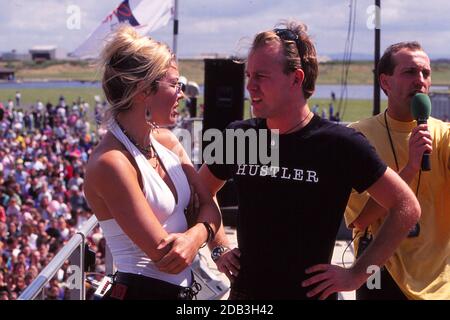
x: 225, y: 27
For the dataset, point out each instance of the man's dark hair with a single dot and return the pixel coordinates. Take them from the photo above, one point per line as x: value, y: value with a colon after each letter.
x: 386, y: 65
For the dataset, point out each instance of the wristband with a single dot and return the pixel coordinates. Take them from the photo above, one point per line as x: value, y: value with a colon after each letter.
x: 211, y: 234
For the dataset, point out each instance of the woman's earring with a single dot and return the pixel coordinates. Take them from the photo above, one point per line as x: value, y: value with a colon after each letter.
x: 148, y: 119
x: 148, y: 116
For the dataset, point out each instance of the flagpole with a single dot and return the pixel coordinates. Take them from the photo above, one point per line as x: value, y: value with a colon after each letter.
x: 175, y: 28
x: 376, y: 83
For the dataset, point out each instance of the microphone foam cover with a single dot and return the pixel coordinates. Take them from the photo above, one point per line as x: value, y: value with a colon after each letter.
x: 421, y: 106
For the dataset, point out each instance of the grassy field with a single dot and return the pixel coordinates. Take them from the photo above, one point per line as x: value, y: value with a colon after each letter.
x: 30, y: 96
x: 54, y: 70
x: 329, y: 73
x: 356, y: 109
x: 193, y: 70
x: 353, y: 111
x: 361, y: 72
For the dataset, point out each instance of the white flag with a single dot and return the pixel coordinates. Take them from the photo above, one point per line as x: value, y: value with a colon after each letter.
x: 144, y: 15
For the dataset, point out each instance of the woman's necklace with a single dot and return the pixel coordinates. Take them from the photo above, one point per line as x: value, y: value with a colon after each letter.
x: 148, y: 151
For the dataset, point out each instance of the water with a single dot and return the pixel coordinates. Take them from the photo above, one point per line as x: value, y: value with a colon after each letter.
x: 363, y: 92
x: 323, y: 91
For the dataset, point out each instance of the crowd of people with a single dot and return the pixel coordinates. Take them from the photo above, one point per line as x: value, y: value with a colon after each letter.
x: 43, y: 150
x: 332, y: 116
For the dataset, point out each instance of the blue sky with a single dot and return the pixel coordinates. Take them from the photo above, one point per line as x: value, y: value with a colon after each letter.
x: 225, y: 26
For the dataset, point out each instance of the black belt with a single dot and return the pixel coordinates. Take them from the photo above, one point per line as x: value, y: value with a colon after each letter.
x: 157, y: 287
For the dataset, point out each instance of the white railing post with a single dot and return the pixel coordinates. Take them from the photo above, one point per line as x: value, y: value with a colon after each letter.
x: 76, y: 243
x: 109, y: 262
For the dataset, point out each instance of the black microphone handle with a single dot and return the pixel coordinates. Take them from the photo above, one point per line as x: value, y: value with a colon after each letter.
x: 426, y: 165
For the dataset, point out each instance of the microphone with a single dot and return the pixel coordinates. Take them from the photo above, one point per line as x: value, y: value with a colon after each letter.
x: 420, y: 110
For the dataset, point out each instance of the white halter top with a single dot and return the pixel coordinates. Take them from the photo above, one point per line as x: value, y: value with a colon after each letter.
x: 128, y: 257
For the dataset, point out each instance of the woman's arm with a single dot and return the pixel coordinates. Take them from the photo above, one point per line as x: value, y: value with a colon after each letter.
x: 112, y: 185
x: 208, y: 210
x: 188, y: 243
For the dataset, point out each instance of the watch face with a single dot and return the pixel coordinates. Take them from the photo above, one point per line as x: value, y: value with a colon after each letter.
x: 217, y: 252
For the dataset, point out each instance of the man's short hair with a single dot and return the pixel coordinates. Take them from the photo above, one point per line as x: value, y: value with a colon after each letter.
x: 386, y: 65
x: 300, y: 54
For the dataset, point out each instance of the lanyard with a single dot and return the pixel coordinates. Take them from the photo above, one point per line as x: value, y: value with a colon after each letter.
x: 394, y: 153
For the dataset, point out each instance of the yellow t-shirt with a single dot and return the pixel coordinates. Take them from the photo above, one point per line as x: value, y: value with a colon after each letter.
x: 421, y: 265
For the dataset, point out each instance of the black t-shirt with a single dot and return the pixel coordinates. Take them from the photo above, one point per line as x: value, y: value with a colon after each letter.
x: 289, y: 216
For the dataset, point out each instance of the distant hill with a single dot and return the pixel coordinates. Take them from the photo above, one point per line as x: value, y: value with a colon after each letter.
x: 369, y: 57
x: 355, y: 56
x: 360, y: 72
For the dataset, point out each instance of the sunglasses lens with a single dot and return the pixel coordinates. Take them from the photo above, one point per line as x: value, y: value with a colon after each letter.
x: 286, y: 34
x: 181, y: 86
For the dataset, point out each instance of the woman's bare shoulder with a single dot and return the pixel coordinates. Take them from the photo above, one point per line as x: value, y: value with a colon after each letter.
x: 109, y: 157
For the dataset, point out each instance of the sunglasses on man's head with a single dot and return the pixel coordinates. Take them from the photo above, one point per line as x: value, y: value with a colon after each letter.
x: 286, y: 34
x: 289, y: 35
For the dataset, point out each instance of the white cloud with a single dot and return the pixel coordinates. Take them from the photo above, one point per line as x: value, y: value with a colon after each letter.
x: 217, y: 26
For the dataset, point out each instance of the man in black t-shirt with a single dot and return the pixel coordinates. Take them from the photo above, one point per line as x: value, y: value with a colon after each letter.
x: 290, y: 209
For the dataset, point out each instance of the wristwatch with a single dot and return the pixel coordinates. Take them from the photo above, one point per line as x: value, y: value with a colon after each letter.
x: 217, y: 252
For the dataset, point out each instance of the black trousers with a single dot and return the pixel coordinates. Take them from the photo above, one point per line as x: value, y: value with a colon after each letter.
x: 130, y: 286
x: 389, y: 289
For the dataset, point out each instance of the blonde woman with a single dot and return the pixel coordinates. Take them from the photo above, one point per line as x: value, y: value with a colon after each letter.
x: 138, y: 178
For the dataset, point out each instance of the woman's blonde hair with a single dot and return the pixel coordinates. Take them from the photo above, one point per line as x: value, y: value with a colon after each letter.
x: 127, y: 60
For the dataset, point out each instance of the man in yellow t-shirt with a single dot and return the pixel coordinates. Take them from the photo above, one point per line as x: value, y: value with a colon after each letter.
x: 420, y: 267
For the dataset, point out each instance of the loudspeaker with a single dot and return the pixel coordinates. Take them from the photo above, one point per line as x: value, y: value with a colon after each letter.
x: 224, y: 103
x: 224, y: 93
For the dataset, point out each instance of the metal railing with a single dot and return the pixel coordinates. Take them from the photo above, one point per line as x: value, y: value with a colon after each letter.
x: 74, y: 250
